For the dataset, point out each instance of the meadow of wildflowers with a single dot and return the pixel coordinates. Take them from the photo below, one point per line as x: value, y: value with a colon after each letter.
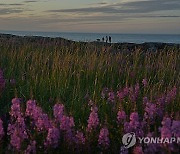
x: 74, y: 98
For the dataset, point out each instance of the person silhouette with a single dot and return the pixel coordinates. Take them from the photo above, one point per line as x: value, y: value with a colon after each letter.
x: 106, y: 39
x: 110, y: 39
x: 103, y: 39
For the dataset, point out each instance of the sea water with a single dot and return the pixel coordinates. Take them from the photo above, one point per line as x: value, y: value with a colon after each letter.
x: 116, y: 38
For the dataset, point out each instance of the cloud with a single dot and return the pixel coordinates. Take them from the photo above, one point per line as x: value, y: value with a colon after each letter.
x: 13, y: 4
x: 128, y: 7
x: 30, y: 1
x: 5, y: 11
x: 107, y: 18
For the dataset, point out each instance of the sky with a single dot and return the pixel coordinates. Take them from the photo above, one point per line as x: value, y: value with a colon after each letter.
x: 113, y: 16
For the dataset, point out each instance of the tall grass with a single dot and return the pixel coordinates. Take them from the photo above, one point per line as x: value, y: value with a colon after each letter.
x: 54, y: 71
x: 51, y: 72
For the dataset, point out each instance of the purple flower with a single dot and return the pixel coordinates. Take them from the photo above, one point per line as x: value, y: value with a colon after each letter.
x: 166, y: 132
x: 79, y: 138
x: 111, y: 97
x: 121, y: 117
x: 134, y: 125
x: 93, y: 120
x: 17, y: 132
x: 166, y: 128
x: 31, y: 149
x: 120, y: 95
x: 15, y: 108
x: 43, y: 122
x: 134, y: 117
x: 152, y: 147
x: 39, y: 118
x: 104, y: 138
x: 126, y: 91
x: 145, y: 100
x: 138, y: 150
x: 160, y: 103
x: 171, y: 95
x: 176, y: 128
x: 150, y: 111
x: 166, y: 122
x: 52, y: 138
x: 123, y: 150
x: 66, y: 123
x: 30, y: 107
x: 144, y: 82
x: 134, y: 92
x: 58, y: 111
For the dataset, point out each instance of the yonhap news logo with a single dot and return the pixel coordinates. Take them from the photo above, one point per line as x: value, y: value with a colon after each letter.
x: 129, y: 140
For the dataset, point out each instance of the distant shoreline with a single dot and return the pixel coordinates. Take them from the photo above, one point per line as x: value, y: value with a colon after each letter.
x: 147, y: 46
x: 116, y: 38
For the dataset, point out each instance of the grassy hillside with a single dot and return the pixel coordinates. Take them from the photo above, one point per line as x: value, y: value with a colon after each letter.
x: 52, y: 70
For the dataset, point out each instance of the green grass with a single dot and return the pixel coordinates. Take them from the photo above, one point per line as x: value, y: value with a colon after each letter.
x: 67, y: 73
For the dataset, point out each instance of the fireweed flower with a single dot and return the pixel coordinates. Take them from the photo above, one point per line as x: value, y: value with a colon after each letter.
x: 152, y: 147
x: 160, y: 103
x: 1, y: 129
x: 134, y: 92
x: 166, y: 128
x: 121, y: 117
x: 138, y: 150
x: 123, y: 150
x: 166, y: 122
x: 66, y: 123
x: 39, y: 118
x: 66, y: 126
x: 30, y: 107
x: 134, y: 117
x: 126, y: 91
x: 120, y: 95
x: 17, y: 132
x: 31, y: 148
x: 58, y: 111
x: 150, y: 111
x: 144, y: 82
x: 43, y: 123
x: 169, y: 130
x: 104, y: 138
x: 15, y: 108
x: 111, y: 97
x: 93, y: 120
x: 176, y: 128
x: 145, y: 100
x: 37, y: 112
x: 134, y: 125
x: 52, y: 138
x: 79, y: 138
x: 171, y: 95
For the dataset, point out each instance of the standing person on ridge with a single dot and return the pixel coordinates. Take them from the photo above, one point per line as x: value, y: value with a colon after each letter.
x: 106, y: 39
x: 109, y: 39
x: 103, y: 39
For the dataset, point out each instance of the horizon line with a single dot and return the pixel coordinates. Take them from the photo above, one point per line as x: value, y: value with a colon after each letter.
x: 89, y: 32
